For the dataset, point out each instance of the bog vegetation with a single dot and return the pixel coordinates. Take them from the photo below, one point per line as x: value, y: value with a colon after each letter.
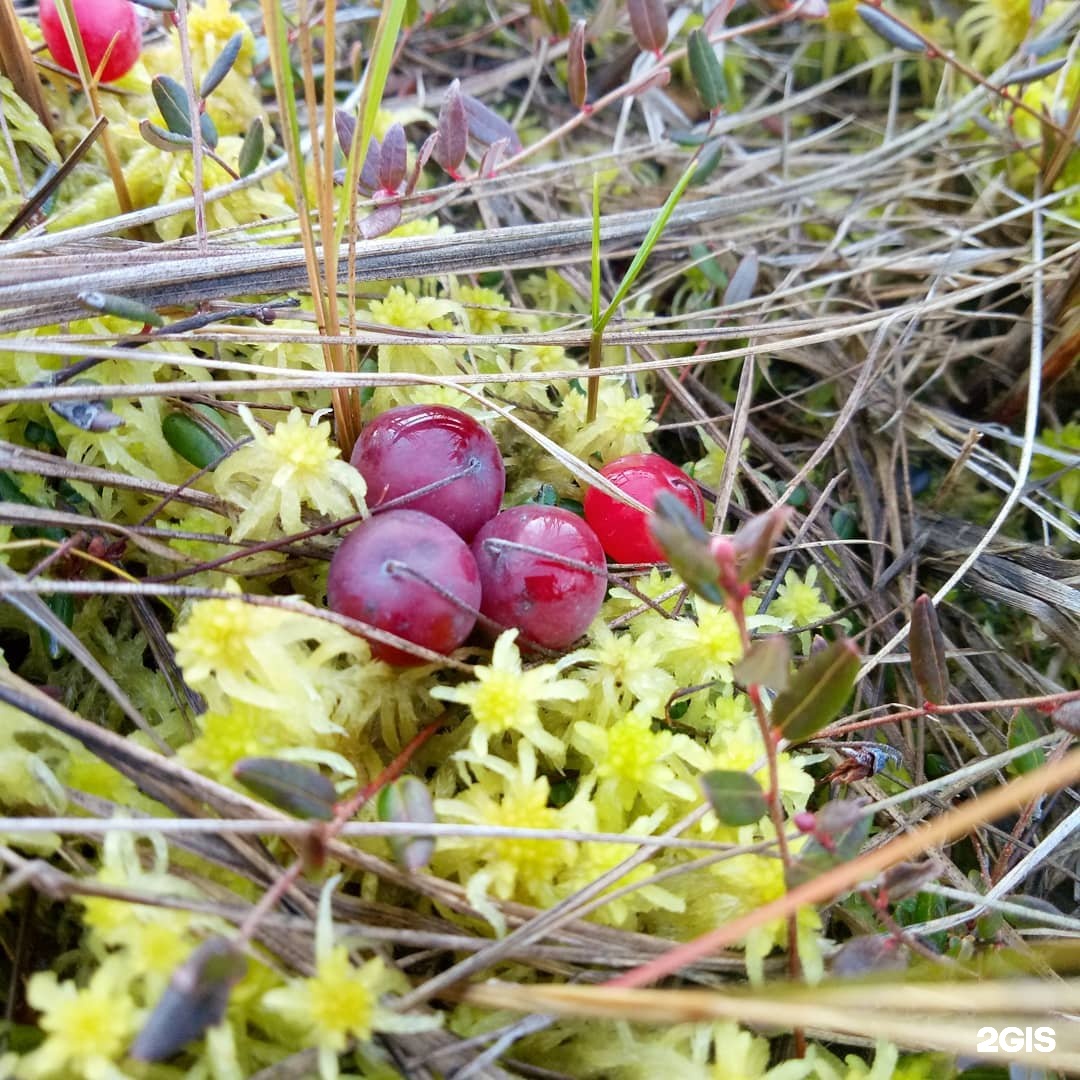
x: 538, y: 540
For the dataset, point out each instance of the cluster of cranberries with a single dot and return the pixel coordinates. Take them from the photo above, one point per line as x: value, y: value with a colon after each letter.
x: 437, y: 550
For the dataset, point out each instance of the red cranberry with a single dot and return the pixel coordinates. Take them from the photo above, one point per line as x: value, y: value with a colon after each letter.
x: 99, y: 21
x: 550, y: 601
x: 623, y: 530
x: 389, y: 572
x: 414, y: 446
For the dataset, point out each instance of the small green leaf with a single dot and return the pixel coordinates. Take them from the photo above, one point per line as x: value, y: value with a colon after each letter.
x: 767, y: 663
x: 195, y: 999
x: 408, y: 800
x: 157, y: 5
x: 817, y: 691
x: 172, y: 103
x: 927, y: 646
x: 222, y: 65
x: 193, y: 441
x: 208, y: 130
x: 299, y: 789
x: 253, y: 148
x: 560, y: 17
x: 162, y: 139
x: 735, y: 797
x: 706, y: 71
x: 1023, y: 730
x: 62, y: 606
x: 885, y: 26
x: 685, y: 544
x: 121, y: 306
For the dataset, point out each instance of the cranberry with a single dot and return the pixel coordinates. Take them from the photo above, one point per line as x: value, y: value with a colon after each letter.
x: 551, y: 602
x: 99, y: 22
x: 414, y: 446
x: 623, y: 530
x: 389, y: 572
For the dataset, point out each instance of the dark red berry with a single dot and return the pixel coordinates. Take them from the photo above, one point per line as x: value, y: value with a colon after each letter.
x: 414, y: 446
x: 389, y: 572
x: 623, y: 530
x: 550, y: 600
x: 99, y: 22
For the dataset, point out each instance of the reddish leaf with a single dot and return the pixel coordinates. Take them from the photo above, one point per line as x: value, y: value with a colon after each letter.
x: 393, y: 159
x: 927, y: 646
x: 577, y: 72
x: 487, y: 126
x: 754, y: 541
x: 453, y: 131
x: 868, y: 954
x: 648, y: 20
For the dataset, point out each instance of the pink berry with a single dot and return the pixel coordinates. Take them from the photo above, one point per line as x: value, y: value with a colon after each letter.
x: 413, y: 446
x: 623, y: 530
x: 552, y: 603
x: 389, y: 572
x: 99, y: 22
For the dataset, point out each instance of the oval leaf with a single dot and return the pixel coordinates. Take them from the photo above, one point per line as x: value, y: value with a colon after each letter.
x: 222, y: 65
x: 194, y: 1000
x: 885, y: 26
x: 487, y: 126
x: 453, y: 128
x: 393, y: 158
x: 1034, y: 74
x: 1023, y: 730
x: 927, y: 646
x: 706, y: 71
x: 208, y: 130
x: 735, y: 797
x: 193, y: 441
x: 408, y: 800
x: 1067, y: 717
x: 577, y: 71
x: 172, y: 103
x: 754, y: 541
x: 121, y: 306
x: 767, y: 663
x: 162, y: 139
x: 299, y: 789
x: 817, y: 691
x: 648, y: 20
x: 345, y: 126
x: 253, y: 148
x: 743, y: 281
x: 682, y: 538
x: 868, y: 954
